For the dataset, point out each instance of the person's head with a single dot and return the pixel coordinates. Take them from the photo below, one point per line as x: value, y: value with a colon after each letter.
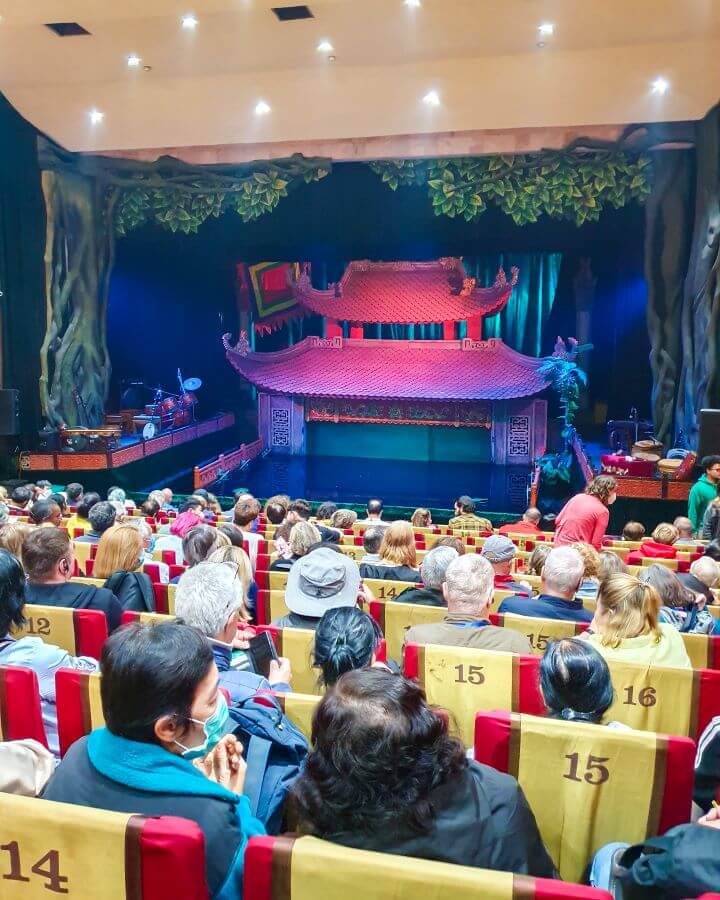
x: 684, y: 527
x: 102, y: 516
x: 21, y: 496
x: 299, y: 510
x: 150, y: 508
x: 452, y: 540
x: 303, y: 536
x: 12, y: 537
x: 604, y: 487
x: 421, y: 518
x: 711, y: 467
x: 158, y: 497
x: 203, y: 494
x: 633, y: 531
x: 74, y: 492
x: 374, y: 508
x: 464, y: 504
x: 712, y: 550
x: 236, y: 558
x: 86, y: 504
x: 117, y: 495
x: 626, y: 608
x: 378, y: 753
x: 160, y: 686
x: 12, y: 593
x: 278, y: 499
x: 434, y: 566
x: 200, y: 541
x: 211, y: 597
x: 590, y: 558
x: 245, y: 512
x: 3, y: 492
x: 167, y: 495
x: 144, y: 530
x: 671, y: 591
x: 326, y: 511
x: 193, y: 504
x: 232, y: 533
x: 343, y: 518
x: 45, y: 512
x: 706, y: 570
x: 4, y: 513
x: 275, y: 513
x: 120, y: 549
x: 398, y: 545
x: 320, y: 580
x: 610, y: 564
x: 562, y: 573
x: 372, y: 539
x: 532, y: 516
x: 665, y: 533
x: 500, y: 552
x: 47, y: 556
x: 536, y: 561
x: 575, y: 681
x: 346, y: 638
x: 469, y: 585
x: 60, y: 500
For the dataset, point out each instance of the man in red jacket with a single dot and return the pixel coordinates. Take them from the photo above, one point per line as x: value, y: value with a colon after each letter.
x: 527, y: 525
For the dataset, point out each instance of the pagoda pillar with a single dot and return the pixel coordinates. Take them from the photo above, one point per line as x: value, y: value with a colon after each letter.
x: 333, y: 329
x: 356, y: 331
x: 474, y: 328
x: 449, y: 330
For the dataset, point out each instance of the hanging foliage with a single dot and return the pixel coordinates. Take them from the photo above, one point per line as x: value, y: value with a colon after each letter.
x: 560, y: 185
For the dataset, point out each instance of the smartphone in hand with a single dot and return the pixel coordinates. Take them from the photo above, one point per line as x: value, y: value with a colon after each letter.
x: 261, y: 651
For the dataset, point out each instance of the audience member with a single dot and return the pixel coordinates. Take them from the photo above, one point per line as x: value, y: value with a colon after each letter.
x: 3, y: 493
x: 633, y: 531
x: 61, y: 501
x: 346, y: 639
x: 610, y: 564
x: 245, y: 517
x: 168, y: 497
x: 236, y: 557
x: 12, y: 536
x: 710, y: 530
x: 191, y: 514
x: 660, y: 547
x: 527, y: 525
x: 281, y: 539
x: 536, y: 560
x: 384, y: 775
x: 680, y: 607
x: 20, y: 498
x: 4, y: 514
x: 326, y: 511
x: 432, y: 574
x: 707, y: 767
x: 148, y: 546
x: 591, y: 573
x: 47, y: 556
x: 703, y: 576
x: 118, y: 495
x: 303, y: 537
x: 74, y: 493
x: 199, y: 543
x: 398, y: 557
x: 561, y: 577
x: 211, y: 598
x: 45, y: 513
x: 374, y: 512
x: 80, y: 518
x: 500, y: 552
x: 275, y: 513
x: 25, y: 767
x: 626, y: 627
x: 300, y: 511
x: 43, y: 489
x: 685, y: 533
x: 452, y: 540
x: 465, y: 518
x: 704, y: 491
x: 421, y: 518
x: 102, y: 516
x: 372, y: 539
x: 321, y: 580
x: 585, y: 516
x: 468, y: 591
x: 161, y: 752
x: 343, y: 518
x: 118, y: 560
x: 712, y: 550
x: 150, y: 509
x: 32, y: 652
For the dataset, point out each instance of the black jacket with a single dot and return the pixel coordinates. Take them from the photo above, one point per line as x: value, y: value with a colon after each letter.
x: 78, y: 596
x: 422, y: 595
x: 389, y: 573
x: 481, y: 819
x: 133, y: 590
x: 695, y: 585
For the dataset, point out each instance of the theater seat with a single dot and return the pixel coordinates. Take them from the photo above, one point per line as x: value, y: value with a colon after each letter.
x: 58, y: 849
x: 82, y: 632
x: 145, y: 618
x: 703, y: 650
x: 79, y: 706
x: 587, y: 784
x: 539, y: 631
x: 286, y: 868
x: 299, y: 708
x: 20, y: 712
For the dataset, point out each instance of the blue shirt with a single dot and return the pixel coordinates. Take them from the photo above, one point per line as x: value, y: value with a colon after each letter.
x: 545, y: 606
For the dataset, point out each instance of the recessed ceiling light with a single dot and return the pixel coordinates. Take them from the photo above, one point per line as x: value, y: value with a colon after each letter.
x: 413, y: 4
x: 262, y: 108
x: 325, y: 47
x: 432, y: 98
x: 546, y: 29
x: 96, y: 116
x: 189, y: 22
x: 660, y: 86
x: 133, y: 61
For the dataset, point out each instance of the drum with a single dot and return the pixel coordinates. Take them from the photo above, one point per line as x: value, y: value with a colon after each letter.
x: 181, y: 417
x: 168, y: 406
x: 187, y: 401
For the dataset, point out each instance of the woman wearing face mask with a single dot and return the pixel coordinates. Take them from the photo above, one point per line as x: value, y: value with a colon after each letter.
x: 163, y: 750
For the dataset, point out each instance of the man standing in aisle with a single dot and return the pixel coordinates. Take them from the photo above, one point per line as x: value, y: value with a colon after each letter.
x: 703, y: 491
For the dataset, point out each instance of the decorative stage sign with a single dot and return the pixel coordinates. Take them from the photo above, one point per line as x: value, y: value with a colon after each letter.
x: 458, y: 415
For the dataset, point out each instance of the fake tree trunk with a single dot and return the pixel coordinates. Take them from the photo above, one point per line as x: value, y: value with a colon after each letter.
x: 75, y: 366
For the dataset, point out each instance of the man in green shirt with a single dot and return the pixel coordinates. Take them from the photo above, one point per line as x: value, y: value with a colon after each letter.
x: 704, y: 491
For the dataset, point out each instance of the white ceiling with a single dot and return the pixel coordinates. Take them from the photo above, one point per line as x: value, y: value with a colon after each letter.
x: 481, y: 56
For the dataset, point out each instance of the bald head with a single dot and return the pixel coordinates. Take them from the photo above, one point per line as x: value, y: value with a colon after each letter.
x: 532, y: 515
x: 706, y: 570
x: 684, y: 527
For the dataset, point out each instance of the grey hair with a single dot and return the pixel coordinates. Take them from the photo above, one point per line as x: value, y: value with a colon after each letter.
x: 140, y: 525
x: 706, y: 570
x: 563, y: 571
x: 4, y: 513
x: 207, y: 595
x: 469, y: 581
x: 117, y: 494
x: 434, y: 566
x: 158, y: 497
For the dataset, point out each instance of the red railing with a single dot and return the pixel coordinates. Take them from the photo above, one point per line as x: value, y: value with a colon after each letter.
x: 226, y: 462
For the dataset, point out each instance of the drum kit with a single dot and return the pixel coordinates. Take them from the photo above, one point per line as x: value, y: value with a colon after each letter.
x: 171, y: 410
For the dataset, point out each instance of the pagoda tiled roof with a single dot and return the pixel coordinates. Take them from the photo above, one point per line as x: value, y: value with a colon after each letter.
x: 405, y: 293
x: 384, y: 369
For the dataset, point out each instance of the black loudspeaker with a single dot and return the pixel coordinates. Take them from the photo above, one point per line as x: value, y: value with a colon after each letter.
x: 709, y: 439
x: 9, y: 411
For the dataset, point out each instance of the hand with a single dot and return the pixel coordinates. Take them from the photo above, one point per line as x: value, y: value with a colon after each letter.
x: 700, y: 601
x: 225, y: 765
x: 365, y: 595
x: 712, y: 819
x: 241, y: 641
x: 280, y: 671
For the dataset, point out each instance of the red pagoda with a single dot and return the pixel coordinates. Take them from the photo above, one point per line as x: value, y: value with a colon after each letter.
x: 449, y: 383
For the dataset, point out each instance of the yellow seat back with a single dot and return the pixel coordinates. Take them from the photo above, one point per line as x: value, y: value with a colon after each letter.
x: 540, y: 631
x: 297, y: 644
x: 299, y: 708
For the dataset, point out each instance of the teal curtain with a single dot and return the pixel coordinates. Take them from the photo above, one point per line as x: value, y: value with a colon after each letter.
x: 522, y: 321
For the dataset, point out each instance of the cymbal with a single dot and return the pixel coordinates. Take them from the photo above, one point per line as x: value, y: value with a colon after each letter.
x: 192, y: 384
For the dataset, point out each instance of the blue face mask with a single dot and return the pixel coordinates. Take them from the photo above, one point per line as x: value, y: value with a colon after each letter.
x: 214, y: 728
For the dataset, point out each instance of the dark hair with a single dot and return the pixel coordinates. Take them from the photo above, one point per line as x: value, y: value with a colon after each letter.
x: 326, y: 510
x: 87, y: 503
x: 246, y: 510
x: 671, y: 590
x: 283, y: 531
x: 232, y: 533
x: 372, y: 539
x: 42, y: 511
x: 452, y: 541
x: 275, y: 513
x: 102, y: 516
x: 301, y: 507
x: 149, y: 671
x: 60, y: 500
x: 713, y: 550
x: 42, y: 550
x: 12, y: 593
x: 345, y: 639
x: 547, y: 523
x: 43, y: 483
x: 21, y: 495
x: 73, y: 491
x: 190, y: 503
x: 575, y: 681
x: 150, y: 508
x: 707, y: 462
x: 465, y: 503
x: 198, y: 542
x: 378, y: 753
x: 374, y: 506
